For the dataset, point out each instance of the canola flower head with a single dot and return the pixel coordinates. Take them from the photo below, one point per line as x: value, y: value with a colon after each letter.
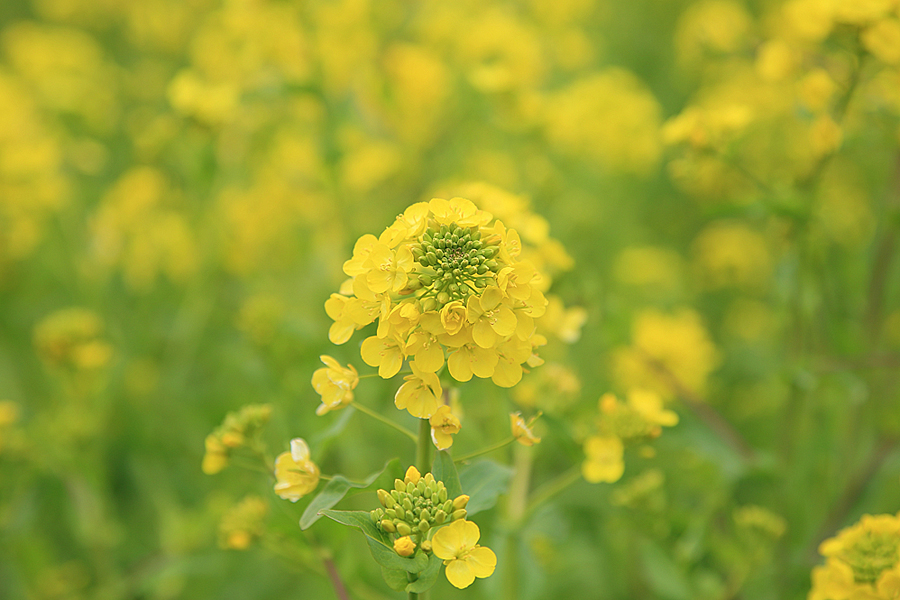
x: 446, y: 283
x: 603, y: 462
x: 444, y: 425
x: 457, y: 545
x: 243, y: 523
x: 296, y: 475
x: 416, y: 505
x: 237, y: 427
x: 335, y: 384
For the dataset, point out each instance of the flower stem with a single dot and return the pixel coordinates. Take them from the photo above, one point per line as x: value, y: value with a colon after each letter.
x: 388, y: 422
x: 423, y: 449
x: 496, y: 446
x: 552, y: 488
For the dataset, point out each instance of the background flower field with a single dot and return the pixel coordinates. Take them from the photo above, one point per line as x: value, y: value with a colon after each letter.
x: 710, y: 190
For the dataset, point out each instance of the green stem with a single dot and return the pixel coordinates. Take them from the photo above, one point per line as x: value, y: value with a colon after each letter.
x: 552, y: 488
x: 496, y: 446
x: 371, y: 375
x: 423, y: 448
x: 384, y: 420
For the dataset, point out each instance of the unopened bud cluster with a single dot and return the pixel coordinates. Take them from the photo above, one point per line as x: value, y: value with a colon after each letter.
x: 416, y: 504
x: 457, y: 261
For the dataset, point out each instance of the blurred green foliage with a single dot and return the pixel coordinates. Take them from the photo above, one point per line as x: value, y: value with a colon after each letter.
x: 181, y: 181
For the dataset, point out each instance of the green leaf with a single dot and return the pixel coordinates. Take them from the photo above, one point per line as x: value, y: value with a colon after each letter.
x: 484, y: 482
x: 360, y: 519
x: 444, y: 470
x: 388, y: 558
x: 427, y: 577
x: 334, y: 492
x: 663, y: 575
x: 396, y: 579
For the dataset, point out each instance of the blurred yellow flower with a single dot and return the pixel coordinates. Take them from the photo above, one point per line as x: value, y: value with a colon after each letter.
x: 457, y: 545
x: 296, y: 475
x: 243, y: 523
x: 335, y: 384
x: 444, y: 425
x: 522, y: 431
x: 603, y: 462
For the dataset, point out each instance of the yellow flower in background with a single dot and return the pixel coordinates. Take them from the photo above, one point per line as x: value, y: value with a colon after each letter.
x: 445, y: 277
x: 649, y: 405
x: 420, y: 394
x: 522, y: 431
x: 457, y: 545
x: 863, y: 561
x: 243, y: 523
x: 603, y: 462
x: 444, y: 425
x: 296, y: 475
x: 404, y: 546
x: 215, y: 458
x: 72, y: 337
x: 335, y: 384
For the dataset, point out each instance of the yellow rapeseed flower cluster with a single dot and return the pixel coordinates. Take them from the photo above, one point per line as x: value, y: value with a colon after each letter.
x: 239, y: 429
x: 862, y: 562
x: 72, y: 337
x: 447, y: 285
x: 243, y: 523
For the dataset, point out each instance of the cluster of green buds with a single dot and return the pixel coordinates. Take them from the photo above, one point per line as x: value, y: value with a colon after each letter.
x: 415, y: 505
x: 457, y: 262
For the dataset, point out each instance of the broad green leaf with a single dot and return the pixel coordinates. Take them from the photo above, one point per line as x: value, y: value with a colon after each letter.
x: 389, y: 559
x: 333, y: 493
x: 427, y: 577
x: 396, y: 579
x: 360, y: 519
x: 484, y: 482
x: 444, y: 470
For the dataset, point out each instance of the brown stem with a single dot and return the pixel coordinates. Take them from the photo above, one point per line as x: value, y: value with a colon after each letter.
x: 339, y: 590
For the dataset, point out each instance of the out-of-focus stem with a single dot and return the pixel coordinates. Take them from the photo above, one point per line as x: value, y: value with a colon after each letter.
x: 496, y: 446
x: 388, y: 422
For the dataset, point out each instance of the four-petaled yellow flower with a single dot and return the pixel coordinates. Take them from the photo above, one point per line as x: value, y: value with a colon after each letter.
x: 522, y: 431
x: 335, y: 384
x: 420, y: 395
x: 444, y: 425
x: 457, y: 545
x: 604, y: 459
x: 296, y: 475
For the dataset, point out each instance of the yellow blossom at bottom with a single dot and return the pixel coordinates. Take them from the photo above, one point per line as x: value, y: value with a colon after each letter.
x: 457, y: 545
x: 604, y: 459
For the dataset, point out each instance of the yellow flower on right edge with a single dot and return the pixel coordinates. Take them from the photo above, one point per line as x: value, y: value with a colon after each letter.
x: 862, y: 562
x: 457, y: 545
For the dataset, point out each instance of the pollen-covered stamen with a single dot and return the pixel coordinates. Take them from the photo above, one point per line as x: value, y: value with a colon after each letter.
x: 455, y: 262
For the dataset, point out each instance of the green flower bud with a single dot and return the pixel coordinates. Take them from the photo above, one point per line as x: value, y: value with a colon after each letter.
x: 424, y: 526
x: 429, y: 304
x: 443, y: 298
x: 425, y: 279
x: 431, y: 257
x: 399, y: 485
x: 492, y: 265
x: 428, y: 492
x: 442, y: 494
x: 458, y: 514
x: 403, y: 528
x: 391, y: 513
x: 400, y: 512
x: 388, y: 526
x: 480, y: 283
x: 429, y: 478
x: 410, y: 487
x: 439, y: 517
x: 489, y: 252
x: 385, y: 498
x: 407, y: 504
x: 448, y: 506
x: 425, y: 514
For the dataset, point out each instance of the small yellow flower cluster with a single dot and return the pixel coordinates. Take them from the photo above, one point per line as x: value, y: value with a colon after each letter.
x: 72, y: 337
x: 862, y: 562
x: 9, y: 414
x: 335, y: 384
x: 418, y: 514
x: 445, y: 282
x: 642, y: 417
x: 295, y: 474
x: 243, y: 523
x: 236, y: 430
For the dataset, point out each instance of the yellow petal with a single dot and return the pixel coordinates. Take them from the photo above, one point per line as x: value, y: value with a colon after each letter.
x: 482, y: 561
x: 391, y: 363
x: 459, y: 574
x: 483, y: 333
x: 504, y: 322
x: 459, y: 364
x: 447, y: 541
x: 430, y: 358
